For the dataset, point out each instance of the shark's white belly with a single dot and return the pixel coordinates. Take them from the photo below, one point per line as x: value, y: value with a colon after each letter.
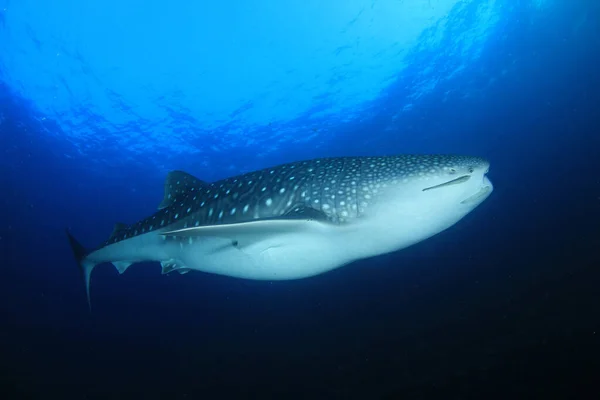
x: 268, y: 257
x: 316, y: 250
x: 290, y: 256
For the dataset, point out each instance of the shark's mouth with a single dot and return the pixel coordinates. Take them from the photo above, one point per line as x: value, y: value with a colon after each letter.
x: 477, y: 196
x: 456, y: 181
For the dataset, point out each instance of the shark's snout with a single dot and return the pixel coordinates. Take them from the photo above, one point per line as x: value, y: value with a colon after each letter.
x: 487, y: 182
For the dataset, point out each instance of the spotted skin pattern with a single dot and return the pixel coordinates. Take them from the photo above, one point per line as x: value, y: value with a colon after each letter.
x: 336, y: 190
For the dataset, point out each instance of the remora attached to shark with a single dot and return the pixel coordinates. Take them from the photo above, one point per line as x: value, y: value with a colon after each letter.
x: 297, y: 220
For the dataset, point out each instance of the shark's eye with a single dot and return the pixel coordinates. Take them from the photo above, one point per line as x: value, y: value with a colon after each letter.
x: 471, y: 169
x: 452, y: 171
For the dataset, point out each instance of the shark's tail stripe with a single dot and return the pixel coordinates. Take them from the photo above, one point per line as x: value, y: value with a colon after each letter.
x: 85, y: 267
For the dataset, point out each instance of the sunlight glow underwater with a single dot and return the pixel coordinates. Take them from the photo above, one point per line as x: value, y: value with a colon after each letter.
x: 151, y: 77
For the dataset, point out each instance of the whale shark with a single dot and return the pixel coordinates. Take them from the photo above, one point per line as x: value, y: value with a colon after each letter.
x: 296, y: 220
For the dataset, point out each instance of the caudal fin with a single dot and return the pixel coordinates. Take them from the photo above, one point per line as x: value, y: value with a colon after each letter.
x: 85, y: 267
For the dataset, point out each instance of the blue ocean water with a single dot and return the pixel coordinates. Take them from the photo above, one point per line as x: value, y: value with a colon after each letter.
x: 98, y: 101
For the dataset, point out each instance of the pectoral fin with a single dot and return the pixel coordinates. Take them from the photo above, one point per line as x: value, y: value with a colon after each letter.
x: 254, y: 228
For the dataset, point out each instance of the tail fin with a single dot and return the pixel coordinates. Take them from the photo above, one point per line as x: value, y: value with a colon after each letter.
x: 85, y: 267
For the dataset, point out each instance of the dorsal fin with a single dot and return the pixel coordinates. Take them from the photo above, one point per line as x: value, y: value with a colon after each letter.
x: 119, y: 226
x: 179, y: 183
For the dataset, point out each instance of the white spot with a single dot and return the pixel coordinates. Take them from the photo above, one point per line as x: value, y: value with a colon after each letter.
x: 292, y: 178
x: 197, y: 223
x: 210, y: 212
x: 176, y: 215
x: 263, y: 189
x: 232, y: 212
x: 282, y: 190
x: 221, y: 215
x: 325, y: 206
x: 162, y: 222
x: 189, y: 209
x: 190, y: 240
x: 268, y: 202
x: 246, y: 208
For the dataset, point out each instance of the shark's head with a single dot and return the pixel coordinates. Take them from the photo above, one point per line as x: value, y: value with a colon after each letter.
x: 457, y: 179
x: 429, y: 193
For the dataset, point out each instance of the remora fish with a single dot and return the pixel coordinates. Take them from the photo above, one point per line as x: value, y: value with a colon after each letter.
x: 297, y: 220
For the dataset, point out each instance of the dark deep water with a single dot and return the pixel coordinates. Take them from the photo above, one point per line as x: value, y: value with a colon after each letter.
x: 505, y: 304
